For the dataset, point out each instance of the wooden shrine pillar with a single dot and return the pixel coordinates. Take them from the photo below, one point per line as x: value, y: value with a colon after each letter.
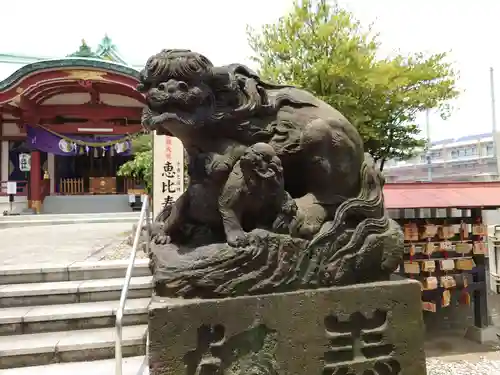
x: 36, y: 181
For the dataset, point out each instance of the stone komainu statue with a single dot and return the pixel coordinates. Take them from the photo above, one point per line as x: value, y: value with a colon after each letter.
x: 311, y: 202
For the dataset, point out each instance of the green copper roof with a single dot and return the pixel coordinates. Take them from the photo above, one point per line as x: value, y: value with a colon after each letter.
x: 106, y: 50
x: 70, y: 62
x: 20, y: 59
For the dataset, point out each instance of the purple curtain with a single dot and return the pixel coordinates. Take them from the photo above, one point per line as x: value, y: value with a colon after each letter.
x: 65, y: 145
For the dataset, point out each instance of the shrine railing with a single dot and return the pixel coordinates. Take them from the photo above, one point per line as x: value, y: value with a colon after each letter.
x: 144, y: 218
x: 98, y: 185
x: 71, y: 186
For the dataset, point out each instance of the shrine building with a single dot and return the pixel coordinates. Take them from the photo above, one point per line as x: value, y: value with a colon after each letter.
x: 66, y: 125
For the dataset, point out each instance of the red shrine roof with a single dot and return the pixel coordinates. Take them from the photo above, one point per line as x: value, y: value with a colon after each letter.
x: 47, y: 92
x: 442, y: 195
x: 43, y: 80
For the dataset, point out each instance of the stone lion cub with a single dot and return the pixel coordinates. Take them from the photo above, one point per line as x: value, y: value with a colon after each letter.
x: 254, y: 195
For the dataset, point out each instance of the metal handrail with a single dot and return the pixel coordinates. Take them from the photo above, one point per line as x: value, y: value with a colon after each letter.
x: 145, y: 215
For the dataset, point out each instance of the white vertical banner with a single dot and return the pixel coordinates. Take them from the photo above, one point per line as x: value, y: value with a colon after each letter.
x: 168, y: 171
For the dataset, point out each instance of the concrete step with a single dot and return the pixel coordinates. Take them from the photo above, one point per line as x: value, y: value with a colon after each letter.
x: 62, y: 292
x: 81, y: 216
x: 74, y: 316
x: 66, y: 221
x: 71, y: 346
x: 61, y: 219
x: 131, y: 366
x: 50, y: 272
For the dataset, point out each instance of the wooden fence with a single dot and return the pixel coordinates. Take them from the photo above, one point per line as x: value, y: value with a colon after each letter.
x: 71, y: 186
x: 76, y: 186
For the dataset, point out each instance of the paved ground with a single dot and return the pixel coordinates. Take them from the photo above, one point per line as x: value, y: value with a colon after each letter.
x: 60, y: 243
x: 131, y: 366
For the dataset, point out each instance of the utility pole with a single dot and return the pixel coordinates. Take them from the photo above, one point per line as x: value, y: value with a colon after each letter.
x: 494, y: 119
x: 428, y: 145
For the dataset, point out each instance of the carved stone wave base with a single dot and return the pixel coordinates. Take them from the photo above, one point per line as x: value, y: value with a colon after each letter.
x: 277, y: 263
x: 365, y: 329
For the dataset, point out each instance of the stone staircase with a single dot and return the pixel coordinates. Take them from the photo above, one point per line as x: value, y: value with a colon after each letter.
x: 52, y: 316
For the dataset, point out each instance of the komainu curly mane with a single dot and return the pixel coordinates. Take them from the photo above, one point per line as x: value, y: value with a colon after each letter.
x: 238, y: 92
x: 173, y: 63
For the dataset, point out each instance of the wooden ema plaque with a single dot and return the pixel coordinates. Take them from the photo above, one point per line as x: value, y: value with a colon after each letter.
x: 102, y: 185
x: 447, y: 255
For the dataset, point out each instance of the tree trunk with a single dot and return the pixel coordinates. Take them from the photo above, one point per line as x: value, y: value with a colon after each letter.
x: 382, y: 162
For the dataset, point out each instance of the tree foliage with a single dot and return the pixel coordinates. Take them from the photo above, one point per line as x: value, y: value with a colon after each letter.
x: 141, y: 166
x: 324, y: 49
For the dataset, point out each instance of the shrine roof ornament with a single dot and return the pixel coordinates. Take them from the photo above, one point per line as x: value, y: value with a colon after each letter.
x: 84, y: 51
x: 106, y: 50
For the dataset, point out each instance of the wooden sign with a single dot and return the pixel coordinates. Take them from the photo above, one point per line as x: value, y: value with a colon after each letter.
x: 411, y: 232
x: 102, y: 185
x: 168, y: 171
x: 412, y: 268
x: 447, y: 264
x: 429, y: 266
x: 430, y: 283
x: 465, y: 264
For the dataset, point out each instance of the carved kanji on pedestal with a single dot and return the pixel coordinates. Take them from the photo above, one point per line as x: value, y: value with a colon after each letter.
x: 206, y: 359
x: 358, y: 346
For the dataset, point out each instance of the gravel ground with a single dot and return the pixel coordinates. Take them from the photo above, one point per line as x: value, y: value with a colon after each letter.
x: 482, y: 367
x: 121, y: 251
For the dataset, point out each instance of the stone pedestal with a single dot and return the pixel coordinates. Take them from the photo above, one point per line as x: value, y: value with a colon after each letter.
x: 367, y: 329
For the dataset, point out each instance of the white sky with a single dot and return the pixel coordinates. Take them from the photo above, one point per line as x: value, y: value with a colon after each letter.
x: 217, y: 28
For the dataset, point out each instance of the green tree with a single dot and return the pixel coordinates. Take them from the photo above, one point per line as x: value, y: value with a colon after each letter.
x: 325, y: 49
x: 141, y: 166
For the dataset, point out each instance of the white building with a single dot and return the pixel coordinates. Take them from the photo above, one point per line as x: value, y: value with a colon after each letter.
x: 469, y: 158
